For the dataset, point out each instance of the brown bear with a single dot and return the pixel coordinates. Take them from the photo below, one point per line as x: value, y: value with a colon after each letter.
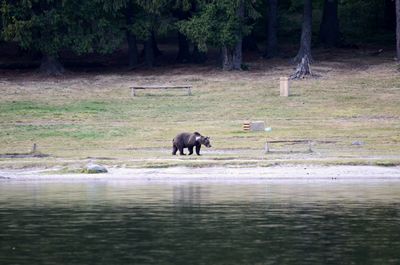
x: 189, y: 140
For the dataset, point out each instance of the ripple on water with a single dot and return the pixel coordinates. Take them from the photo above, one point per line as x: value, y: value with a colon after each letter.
x: 200, y: 223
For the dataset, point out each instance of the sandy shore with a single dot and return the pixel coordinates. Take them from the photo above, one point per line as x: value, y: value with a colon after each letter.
x: 215, y: 174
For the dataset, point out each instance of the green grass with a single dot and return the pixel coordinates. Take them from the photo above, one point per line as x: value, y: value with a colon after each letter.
x: 74, y: 121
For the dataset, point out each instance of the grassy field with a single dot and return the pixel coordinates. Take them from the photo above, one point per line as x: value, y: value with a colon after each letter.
x: 81, y: 117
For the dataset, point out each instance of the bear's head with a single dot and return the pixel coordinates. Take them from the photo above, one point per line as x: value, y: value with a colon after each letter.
x: 207, y: 142
x: 204, y: 140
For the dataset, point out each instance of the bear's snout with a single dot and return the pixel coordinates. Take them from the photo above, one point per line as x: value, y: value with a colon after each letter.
x: 206, y: 142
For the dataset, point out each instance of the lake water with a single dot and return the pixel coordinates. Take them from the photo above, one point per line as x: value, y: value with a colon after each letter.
x: 240, y: 222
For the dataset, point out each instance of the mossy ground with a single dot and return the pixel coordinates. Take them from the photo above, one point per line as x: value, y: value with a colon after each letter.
x: 81, y: 117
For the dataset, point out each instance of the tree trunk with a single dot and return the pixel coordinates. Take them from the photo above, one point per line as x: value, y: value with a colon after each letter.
x: 250, y: 43
x: 237, y: 56
x: 198, y: 56
x: 329, y: 33
x: 390, y: 14
x: 183, y: 43
x: 272, y: 29
x: 232, y: 57
x: 156, y: 50
x: 132, y: 50
x: 184, y: 51
x: 306, y: 33
x: 398, y: 29
x: 227, y: 59
x: 303, y: 69
x: 131, y: 38
x: 50, y: 65
x: 149, y: 52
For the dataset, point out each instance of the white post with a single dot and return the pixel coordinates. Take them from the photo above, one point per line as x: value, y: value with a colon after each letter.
x: 266, y: 147
x: 284, y: 86
x: 310, y: 146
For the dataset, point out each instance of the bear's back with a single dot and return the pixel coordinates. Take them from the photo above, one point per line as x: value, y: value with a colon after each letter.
x: 182, y: 138
x: 186, y: 139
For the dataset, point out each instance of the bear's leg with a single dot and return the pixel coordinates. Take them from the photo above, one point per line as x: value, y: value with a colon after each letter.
x: 181, y: 151
x: 190, y: 150
x: 174, y: 150
x: 198, y: 149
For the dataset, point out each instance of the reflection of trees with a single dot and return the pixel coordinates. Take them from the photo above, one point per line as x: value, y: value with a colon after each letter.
x: 187, y: 196
x: 194, y: 228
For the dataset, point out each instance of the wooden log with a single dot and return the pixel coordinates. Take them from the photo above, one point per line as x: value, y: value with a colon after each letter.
x: 246, y: 126
x: 133, y: 88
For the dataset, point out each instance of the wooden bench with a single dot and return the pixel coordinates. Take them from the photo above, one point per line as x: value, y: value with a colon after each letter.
x: 134, y: 88
x: 308, y: 142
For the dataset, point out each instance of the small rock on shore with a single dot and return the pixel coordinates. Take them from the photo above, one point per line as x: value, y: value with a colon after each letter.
x: 94, y: 169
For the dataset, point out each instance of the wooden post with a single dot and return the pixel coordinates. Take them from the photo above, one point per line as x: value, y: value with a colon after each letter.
x: 189, y: 91
x: 132, y: 91
x: 284, y: 86
x: 34, y: 149
x: 266, y: 147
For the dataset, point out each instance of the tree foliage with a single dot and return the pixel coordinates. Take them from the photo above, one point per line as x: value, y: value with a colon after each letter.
x: 103, y: 26
x: 217, y: 23
x: 49, y: 26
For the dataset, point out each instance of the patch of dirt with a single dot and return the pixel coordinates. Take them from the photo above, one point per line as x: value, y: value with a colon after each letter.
x: 23, y: 155
x: 94, y: 68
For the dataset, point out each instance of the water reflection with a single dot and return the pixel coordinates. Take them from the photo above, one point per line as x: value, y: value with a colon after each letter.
x: 187, y: 196
x: 199, y: 223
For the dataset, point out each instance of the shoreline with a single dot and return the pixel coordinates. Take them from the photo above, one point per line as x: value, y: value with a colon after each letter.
x: 213, y: 174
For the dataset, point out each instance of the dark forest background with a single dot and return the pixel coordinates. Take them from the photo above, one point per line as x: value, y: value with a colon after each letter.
x: 134, y: 34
